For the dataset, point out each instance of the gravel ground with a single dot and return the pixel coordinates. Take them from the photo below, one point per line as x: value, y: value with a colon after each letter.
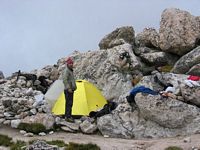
x: 110, y: 143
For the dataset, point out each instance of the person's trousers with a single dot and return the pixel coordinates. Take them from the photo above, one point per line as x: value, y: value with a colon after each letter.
x: 68, y: 103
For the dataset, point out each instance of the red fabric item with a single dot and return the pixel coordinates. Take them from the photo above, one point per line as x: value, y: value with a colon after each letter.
x: 194, y: 78
x: 69, y: 60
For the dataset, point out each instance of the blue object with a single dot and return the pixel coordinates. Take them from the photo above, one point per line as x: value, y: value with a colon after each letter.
x: 140, y: 89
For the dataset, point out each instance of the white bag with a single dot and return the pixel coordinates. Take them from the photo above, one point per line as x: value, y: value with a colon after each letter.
x: 39, y: 99
x: 54, y: 92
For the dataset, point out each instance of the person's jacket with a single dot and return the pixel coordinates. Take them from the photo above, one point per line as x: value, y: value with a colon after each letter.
x: 68, y: 79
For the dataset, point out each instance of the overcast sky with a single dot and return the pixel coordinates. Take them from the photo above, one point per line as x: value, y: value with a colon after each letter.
x: 36, y: 33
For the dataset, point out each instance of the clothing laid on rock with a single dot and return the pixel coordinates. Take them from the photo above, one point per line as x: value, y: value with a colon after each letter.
x: 192, y: 81
x: 168, y: 92
x: 139, y: 89
x: 110, y: 106
x: 170, y: 89
x: 194, y: 78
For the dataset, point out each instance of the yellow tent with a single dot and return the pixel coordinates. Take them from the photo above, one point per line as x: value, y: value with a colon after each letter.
x: 87, y: 98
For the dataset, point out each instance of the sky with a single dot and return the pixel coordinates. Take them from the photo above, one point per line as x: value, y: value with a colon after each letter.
x: 36, y: 33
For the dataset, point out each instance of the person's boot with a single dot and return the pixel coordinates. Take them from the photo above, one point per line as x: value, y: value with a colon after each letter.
x: 69, y: 119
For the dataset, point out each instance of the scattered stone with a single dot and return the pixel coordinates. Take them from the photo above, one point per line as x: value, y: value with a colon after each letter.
x: 42, y: 145
x: 51, y: 132
x: 187, y: 140
x: 15, y: 123
x: 106, y: 136
x: 29, y: 134
x: 42, y: 134
x: 22, y: 132
x: 88, y: 127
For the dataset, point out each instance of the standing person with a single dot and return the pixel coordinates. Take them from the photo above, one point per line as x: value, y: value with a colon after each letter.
x: 69, y: 88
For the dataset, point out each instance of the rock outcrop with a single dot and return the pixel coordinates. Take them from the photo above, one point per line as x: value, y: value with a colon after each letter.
x: 105, y: 69
x: 148, y: 38
x: 179, y: 31
x: 118, y: 37
x: 186, y: 62
x: 154, y: 116
x: 155, y: 57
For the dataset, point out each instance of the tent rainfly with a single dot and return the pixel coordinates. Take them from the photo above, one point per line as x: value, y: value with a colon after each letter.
x: 87, y: 98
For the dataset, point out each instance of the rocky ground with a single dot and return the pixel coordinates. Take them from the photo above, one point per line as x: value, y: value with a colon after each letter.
x: 187, y: 143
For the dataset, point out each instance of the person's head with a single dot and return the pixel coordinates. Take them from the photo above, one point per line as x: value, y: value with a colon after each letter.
x: 69, y: 62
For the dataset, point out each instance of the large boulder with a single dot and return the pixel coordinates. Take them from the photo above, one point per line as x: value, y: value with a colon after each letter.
x: 154, y: 116
x: 168, y: 113
x: 148, y: 38
x: 191, y: 95
x: 46, y: 119
x: 186, y: 62
x: 195, y: 70
x: 179, y: 31
x: 118, y: 37
x: 114, y: 125
x: 155, y: 57
x: 106, y: 70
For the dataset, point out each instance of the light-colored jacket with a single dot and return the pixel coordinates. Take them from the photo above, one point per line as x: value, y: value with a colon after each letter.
x: 68, y: 79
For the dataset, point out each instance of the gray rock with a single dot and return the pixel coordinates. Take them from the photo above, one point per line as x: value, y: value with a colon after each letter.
x: 6, y: 122
x: 195, y: 70
x: 112, y: 127
x: 187, y: 140
x: 22, y: 132
x: 6, y: 102
x: 179, y: 31
x: 168, y: 113
x: 46, y: 119
x: 186, y: 62
x: 149, y: 37
x: 191, y: 95
x: 157, y: 58
x: 88, y: 127
x: 119, y: 36
x: 42, y: 145
x: 72, y: 126
x: 67, y: 129
x: 33, y: 111
x: 104, y: 66
x: 42, y: 134
x: 15, y: 123
x: 28, y: 134
x: 2, y: 120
